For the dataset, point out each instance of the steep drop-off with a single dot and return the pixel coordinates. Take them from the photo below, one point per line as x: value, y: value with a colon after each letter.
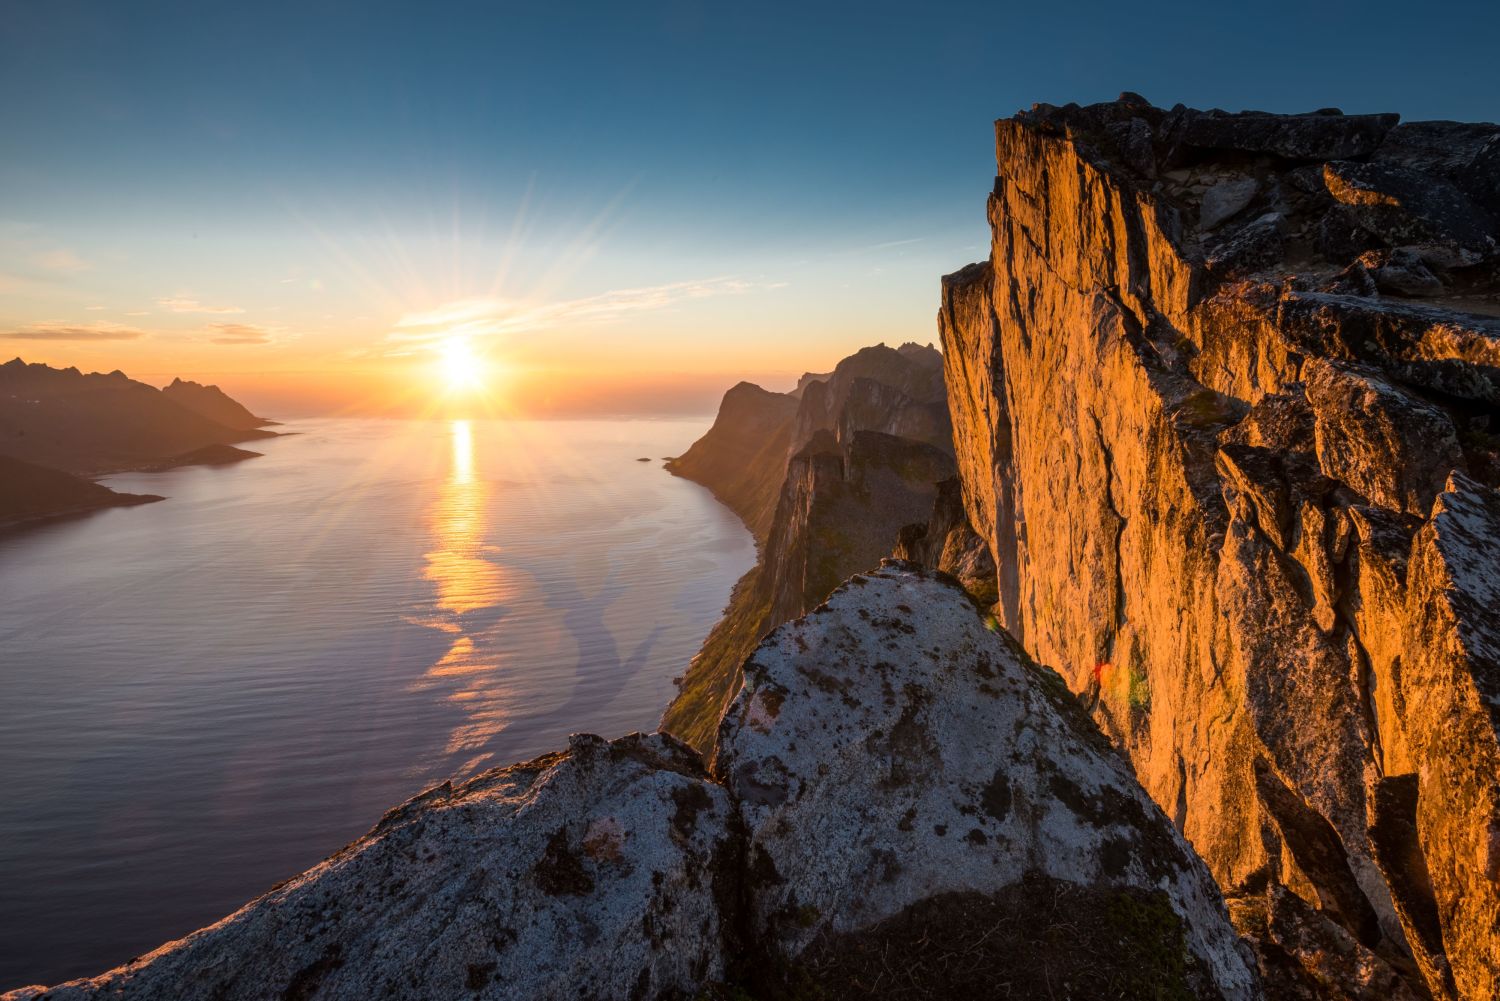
x: 1226, y: 399
x: 849, y: 486
x: 742, y: 458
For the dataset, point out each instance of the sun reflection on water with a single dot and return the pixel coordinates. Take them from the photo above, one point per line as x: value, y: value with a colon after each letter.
x: 471, y: 589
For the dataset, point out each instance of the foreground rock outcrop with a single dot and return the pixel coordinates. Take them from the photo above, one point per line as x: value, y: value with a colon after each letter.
x: 903, y: 806
x: 597, y: 872
x: 1226, y: 412
x: 931, y: 815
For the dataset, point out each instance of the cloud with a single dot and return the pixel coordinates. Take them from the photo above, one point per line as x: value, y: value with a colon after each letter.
x: 239, y: 333
x: 67, y: 332
x: 176, y: 305
x: 62, y: 260
x: 487, y: 317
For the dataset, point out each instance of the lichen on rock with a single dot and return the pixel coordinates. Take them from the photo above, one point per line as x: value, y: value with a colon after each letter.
x: 924, y: 812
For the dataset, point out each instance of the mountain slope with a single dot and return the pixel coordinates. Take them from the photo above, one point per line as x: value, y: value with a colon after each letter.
x: 98, y: 423
x: 743, y: 456
x: 842, y: 500
x: 29, y: 492
x: 213, y: 403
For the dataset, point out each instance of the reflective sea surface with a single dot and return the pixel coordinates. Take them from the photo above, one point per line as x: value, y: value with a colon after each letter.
x: 204, y: 696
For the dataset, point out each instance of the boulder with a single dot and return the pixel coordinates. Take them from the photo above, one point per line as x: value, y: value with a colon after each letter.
x: 929, y: 814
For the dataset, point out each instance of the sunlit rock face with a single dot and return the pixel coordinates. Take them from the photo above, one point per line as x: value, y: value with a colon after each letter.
x: 1207, y: 394
x: 593, y: 873
x: 929, y: 814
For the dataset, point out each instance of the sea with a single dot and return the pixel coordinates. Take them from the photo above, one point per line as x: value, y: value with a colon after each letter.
x: 204, y: 696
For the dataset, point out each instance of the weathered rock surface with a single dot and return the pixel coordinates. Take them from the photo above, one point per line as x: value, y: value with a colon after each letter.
x: 869, y: 444
x: 1213, y: 469
x: 931, y: 815
x: 599, y: 872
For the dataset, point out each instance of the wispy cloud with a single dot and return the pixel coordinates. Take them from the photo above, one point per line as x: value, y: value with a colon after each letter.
x: 178, y: 305
x: 239, y: 333
x: 74, y: 332
x: 488, y: 316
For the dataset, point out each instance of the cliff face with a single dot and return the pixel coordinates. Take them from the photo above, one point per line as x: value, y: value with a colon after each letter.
x: 844, y: 493
x: 743, y: 456
x: 897, y: 391
x: 903, y: 806
x: 1238, y: 485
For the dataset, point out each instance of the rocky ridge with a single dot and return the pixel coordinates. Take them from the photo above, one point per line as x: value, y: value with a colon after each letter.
x: 902, y: 805
x: 1226, y: 415
x: 860, y: 457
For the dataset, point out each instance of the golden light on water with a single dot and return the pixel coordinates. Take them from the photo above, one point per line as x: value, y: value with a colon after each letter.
x: 468, y: 580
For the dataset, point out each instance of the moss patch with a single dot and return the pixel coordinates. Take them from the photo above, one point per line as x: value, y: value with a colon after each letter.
x: 1037, y: 939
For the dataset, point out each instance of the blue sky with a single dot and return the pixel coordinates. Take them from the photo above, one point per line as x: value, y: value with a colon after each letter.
x: 710, y: 189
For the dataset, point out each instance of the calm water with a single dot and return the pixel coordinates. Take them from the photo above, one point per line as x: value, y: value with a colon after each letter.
x: 204, y: 696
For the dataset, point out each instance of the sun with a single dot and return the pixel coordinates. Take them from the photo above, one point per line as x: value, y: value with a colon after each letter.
x: 461, y: 369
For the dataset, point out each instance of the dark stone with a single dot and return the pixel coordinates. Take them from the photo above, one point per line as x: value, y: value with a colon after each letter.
x: 1409, y: 209
x: 1295, y: 137
x: 1255, y: 246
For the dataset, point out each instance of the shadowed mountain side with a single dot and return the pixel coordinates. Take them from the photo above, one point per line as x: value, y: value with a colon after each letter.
x: 743, y: 456
x: 895, y: 390
x: 213, y: 403
x: 208, y: 455
x: 29, y: 492
x: 98, y: 423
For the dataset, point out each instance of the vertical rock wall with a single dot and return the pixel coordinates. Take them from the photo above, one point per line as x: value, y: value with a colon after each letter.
x: 1208, y: 436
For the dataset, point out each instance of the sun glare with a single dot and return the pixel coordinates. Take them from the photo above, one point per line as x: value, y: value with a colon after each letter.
x: 462, y: 370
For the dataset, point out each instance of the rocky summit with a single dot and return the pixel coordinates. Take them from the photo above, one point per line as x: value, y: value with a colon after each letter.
x: 1226, y: 412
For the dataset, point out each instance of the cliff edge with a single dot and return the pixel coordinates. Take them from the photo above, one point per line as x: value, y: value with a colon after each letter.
x: 1226, y: 404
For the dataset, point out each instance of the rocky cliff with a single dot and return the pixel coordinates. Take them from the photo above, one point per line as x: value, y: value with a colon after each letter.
x: 903, y: 805
x: 742, y: 458
x: 1226, y: 404
x: 869, y: 443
